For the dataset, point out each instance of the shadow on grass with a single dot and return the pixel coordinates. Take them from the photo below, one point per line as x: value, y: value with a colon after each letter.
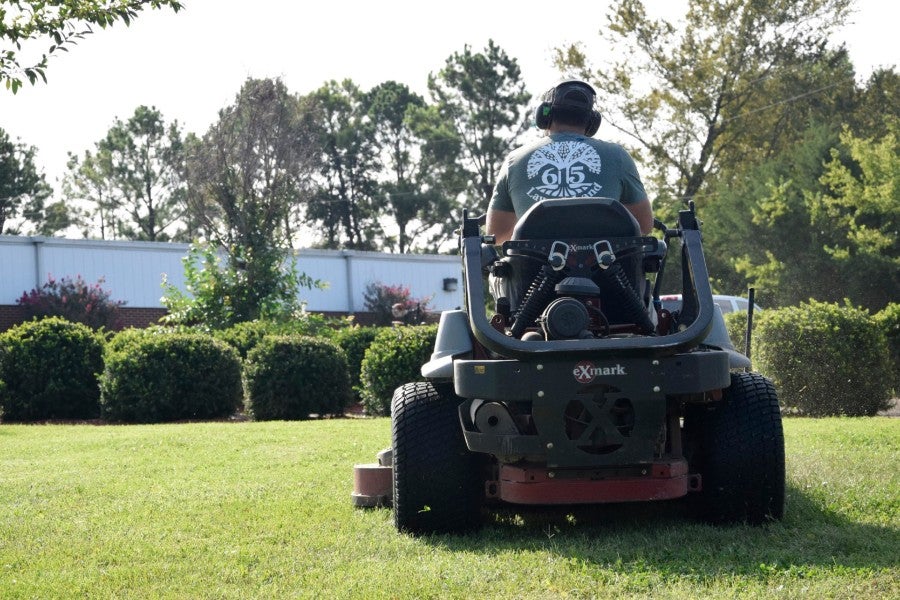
x: 665, y: 536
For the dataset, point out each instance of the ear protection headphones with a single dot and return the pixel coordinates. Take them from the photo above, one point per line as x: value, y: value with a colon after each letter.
x: 556, y: 98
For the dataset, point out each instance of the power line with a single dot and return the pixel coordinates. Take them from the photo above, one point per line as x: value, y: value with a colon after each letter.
x: 788, y: 100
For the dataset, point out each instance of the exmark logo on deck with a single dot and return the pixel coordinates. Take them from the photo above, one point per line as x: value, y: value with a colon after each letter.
x: 586, y: 371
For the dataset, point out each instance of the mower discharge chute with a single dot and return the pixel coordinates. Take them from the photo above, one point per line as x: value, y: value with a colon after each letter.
x: 581, y: 388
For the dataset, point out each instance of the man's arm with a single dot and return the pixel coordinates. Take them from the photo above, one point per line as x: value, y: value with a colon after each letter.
x: 642, y: 211
x: 500, y: 224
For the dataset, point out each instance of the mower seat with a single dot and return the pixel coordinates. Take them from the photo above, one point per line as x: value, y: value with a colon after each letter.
x: 573, y: 219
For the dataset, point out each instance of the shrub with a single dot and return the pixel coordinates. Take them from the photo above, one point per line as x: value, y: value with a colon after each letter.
x: 75, y: 301
x: 354, y: 341
x: 826, y: 359
x: 154, y: 377
x: 245, y: 336
x: 736, y: 324
x: 390, y: 303
x: 395, y: 357
x: 293, y: 377
x: 244, y: 284
x: 888, y: 321
x: 49, y: 368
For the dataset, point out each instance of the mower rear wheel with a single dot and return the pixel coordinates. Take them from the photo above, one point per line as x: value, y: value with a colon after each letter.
x: 737, y: 445
x: 437, y: 484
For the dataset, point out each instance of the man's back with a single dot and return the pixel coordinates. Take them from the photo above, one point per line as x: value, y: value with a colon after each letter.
x: 566, y: 165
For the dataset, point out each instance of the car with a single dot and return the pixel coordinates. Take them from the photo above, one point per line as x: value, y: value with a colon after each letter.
x: 728, y: 304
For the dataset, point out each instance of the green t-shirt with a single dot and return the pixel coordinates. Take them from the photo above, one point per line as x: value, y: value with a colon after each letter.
x: 566, y: 165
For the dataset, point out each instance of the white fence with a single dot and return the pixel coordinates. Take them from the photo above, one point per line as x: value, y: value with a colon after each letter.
x: 133, y: 271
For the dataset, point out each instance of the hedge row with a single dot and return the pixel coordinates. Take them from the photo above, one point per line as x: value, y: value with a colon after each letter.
x: 54, y: 369
x: 395, y: 357
x: 826, y: 359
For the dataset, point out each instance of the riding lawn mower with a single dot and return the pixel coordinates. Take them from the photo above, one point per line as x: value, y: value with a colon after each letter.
x: 580, y: 387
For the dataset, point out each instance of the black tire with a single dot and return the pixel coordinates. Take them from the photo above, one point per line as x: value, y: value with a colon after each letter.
x: 737, y: 446
x: 438, y: 486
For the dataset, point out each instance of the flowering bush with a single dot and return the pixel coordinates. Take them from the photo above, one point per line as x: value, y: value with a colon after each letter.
x: 389, y: 303
x: 74, y: 300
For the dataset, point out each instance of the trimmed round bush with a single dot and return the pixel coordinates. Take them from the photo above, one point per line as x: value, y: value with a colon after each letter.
x: 826, y: 359
x: 294, y: 377
x: 156, y: 377
x: 354, y: 341
x: 50, y: 368
x: 395, y: 357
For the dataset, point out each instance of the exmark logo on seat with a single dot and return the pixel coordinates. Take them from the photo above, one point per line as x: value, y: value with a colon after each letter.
x: 586, y: 371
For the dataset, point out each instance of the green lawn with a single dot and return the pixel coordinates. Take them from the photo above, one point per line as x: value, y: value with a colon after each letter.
x: 262, y: 510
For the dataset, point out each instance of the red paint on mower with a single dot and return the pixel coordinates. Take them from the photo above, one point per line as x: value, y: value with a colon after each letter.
x: 540, y: 485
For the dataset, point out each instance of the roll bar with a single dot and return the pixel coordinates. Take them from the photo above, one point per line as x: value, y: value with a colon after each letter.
x: 696, y: 277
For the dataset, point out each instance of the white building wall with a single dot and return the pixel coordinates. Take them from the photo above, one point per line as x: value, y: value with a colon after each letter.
x: 133, y: 271
x: 18, y: 268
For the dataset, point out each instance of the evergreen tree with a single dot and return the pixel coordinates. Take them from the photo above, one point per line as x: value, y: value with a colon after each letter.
x: 24, y: 191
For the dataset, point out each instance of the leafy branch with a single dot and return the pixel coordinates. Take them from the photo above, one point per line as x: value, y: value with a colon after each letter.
x: 64, y: 22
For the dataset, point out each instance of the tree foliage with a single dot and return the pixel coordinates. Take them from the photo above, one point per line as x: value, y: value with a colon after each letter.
x: 134, y: 181
x: 27, y: 24
x: 723, y: 84
x: 408, y: 194
x: 860, y: 209
x: 817, y: 221
x: 346, y: 202
x: 220, y: 293
x: 24, y: 191
x: 251, y: 166
x: 243, y: 176
x: 479, y: 113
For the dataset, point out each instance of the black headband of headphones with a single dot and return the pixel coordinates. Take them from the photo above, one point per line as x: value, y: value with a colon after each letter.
x: 573, y: 95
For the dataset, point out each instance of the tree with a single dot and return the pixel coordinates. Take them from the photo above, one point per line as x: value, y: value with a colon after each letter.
x: 346, y: 201
x: 60, y: 23
x: 479, y: 113
x: 135, y: 179
x: 819, y: 221
x: 757, y: 231
x: 408, y: 193
x: 687, y: 95
x: 876, y: 104
x: 23, y: 189
x: 86, y: 180
x: 861, y: 206
x: 250, y: 166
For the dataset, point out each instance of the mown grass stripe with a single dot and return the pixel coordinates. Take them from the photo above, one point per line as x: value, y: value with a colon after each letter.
x: 238, y: 510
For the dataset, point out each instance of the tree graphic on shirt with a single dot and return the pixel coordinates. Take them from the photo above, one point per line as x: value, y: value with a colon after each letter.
x: 563, y: 170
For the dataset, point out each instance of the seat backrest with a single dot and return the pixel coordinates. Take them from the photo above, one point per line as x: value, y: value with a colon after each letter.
x: 576, y: 218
